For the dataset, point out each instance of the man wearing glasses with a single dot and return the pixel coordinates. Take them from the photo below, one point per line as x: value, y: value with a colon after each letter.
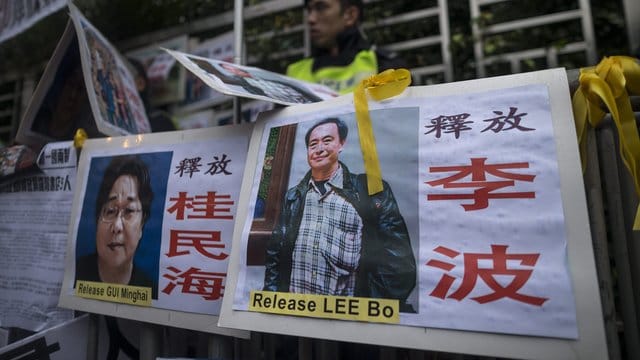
x: 123, y: 206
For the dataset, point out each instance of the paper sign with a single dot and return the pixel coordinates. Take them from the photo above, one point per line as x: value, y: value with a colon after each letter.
x: 34, y: 216
x: 473, y: 235
x: 251, y: 82
x: 152, y: 225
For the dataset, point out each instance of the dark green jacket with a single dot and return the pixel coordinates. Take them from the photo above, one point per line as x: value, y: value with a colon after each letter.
x: 387, y: 268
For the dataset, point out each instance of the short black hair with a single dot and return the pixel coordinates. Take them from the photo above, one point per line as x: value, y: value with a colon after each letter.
x: 343, y: 130
x: 345, y: 3
x: 126, y: 165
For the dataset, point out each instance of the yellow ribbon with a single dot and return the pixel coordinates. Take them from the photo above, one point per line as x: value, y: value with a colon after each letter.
x: 382, y: 86
x: 610, y: 83
x: 79, y: 138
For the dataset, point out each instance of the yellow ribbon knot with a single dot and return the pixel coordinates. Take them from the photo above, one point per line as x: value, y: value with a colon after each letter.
x: 387, y: 84
x: 609, y: 84
x: 79, y: 138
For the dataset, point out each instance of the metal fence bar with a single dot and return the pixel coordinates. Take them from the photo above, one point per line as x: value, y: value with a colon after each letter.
x: 533, y: 21
x: 582, y: 13
x: 618, y: 225
x: 597, y: 221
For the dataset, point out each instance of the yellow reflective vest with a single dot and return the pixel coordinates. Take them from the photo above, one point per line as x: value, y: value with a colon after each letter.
x: 342, y: 79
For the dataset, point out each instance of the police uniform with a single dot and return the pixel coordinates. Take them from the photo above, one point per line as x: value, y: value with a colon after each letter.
x: 357, y: 60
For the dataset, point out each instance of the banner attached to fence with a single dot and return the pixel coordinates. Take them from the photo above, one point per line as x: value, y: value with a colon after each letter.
x: 480, y: 228
x: 34, y: 215
x: 152, y: 225
x: 115, y: 102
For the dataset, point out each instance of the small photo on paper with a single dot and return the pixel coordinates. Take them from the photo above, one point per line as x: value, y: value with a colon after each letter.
x: 315, y: 229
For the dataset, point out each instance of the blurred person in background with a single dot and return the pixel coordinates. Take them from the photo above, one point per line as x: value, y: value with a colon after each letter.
x: 160, y: 120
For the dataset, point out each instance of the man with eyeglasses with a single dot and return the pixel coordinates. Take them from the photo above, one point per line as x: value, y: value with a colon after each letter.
x: 341, y: 55
x: 123, y: 206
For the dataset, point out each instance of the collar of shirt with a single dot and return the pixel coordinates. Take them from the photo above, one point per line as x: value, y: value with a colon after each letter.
x: 336, y: 181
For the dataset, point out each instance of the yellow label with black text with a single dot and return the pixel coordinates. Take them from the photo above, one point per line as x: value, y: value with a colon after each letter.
x: 125, y: 294
x: 325, y: 306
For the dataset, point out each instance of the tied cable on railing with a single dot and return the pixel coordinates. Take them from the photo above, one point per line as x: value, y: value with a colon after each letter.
x: 610, y: 83
x: 382, y: 86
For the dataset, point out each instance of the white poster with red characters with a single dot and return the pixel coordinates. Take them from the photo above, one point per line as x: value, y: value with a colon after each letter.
x: 493, y: 234
x: 152, y: 224
x: 478, y: 242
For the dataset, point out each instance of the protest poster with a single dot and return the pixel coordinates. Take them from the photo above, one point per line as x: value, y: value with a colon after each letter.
x: 479, y: 242
x: 116, y: 105
x: 18, y: 16
x: 166, y: 78
x: 151, y: 226
x: 84, y: 85
x: 34, y: 216
x: 251, y: 82
x: 67, y: 340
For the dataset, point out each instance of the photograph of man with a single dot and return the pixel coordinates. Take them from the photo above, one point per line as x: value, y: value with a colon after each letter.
x: 122, y: 208
x: 258, y: 84
x: 332, y: 238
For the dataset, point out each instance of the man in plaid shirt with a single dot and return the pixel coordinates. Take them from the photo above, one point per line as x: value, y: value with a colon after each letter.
x: 333, y: 238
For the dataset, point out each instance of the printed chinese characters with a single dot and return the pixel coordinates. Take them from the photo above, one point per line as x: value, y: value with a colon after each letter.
x: 192, y: 166
x: 519, y: 274
x: 484, y: 189
x: 457, y: 123
x: 208, y: 243
x: 484, y: 181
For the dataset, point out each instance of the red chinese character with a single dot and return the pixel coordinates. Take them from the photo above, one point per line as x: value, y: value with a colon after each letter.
x: 182, y: 202
x: 200, y: 240
x: 206, y: 204
x: 472, y: 271
x: 483, y: 188
x: 194, y: 281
